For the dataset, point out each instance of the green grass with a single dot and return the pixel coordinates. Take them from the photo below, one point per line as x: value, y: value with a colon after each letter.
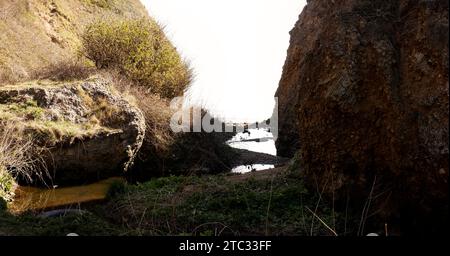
x: 28, y: 110
x: 82, y: 224
x: 7, y: 186
x: 32, y: 119
x: 215, y: 204
x: 52, y: 132
x: 208, y: 205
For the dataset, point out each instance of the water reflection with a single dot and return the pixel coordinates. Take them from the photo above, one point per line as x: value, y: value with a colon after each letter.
x: 256, y: 140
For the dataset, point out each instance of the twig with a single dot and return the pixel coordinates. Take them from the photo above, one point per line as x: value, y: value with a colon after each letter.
x: 325, y: 224
x: 142, y: 218
x: 317, y: 204
x: 333, y: 201
x: 212, y: 223
x: 365, y: 211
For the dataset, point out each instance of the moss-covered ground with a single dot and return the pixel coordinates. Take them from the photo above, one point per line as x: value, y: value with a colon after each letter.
x: 265, y: 203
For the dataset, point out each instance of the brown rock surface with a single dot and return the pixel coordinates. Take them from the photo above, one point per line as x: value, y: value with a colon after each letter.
x: 364, y: 100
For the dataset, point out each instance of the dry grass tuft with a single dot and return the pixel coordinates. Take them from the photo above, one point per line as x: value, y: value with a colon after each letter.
x: 157, y: 112
x: 61, y: 71
x: 165, y: 152
x: 67, y: 70
x: 19, y: 159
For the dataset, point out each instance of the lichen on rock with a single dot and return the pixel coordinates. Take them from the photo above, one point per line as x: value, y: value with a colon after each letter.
x: 91, y: 131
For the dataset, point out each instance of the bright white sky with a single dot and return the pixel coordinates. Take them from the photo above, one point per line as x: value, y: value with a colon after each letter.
x: 236, y: 47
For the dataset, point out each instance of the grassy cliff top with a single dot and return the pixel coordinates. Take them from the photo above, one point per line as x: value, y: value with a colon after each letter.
x: 36, y: 33
x: 47, y: 83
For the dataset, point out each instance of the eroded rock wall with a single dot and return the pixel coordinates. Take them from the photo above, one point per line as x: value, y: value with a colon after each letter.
x: 364, y: 101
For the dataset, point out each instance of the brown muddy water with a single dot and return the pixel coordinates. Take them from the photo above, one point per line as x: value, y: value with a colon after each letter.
x: 35, y: 199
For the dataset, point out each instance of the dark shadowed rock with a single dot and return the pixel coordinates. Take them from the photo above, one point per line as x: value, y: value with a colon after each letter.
x: 91, y: 131
x: 364, y: 101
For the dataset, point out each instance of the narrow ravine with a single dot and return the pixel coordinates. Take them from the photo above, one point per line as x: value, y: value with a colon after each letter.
x: 257, y: 151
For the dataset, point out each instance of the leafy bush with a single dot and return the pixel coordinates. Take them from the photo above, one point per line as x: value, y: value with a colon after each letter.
x: 139, y: 50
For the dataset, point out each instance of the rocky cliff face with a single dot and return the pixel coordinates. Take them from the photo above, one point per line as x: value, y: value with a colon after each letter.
x: 91, y: 131
x: 37, y: 33
x: 364, y: 101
